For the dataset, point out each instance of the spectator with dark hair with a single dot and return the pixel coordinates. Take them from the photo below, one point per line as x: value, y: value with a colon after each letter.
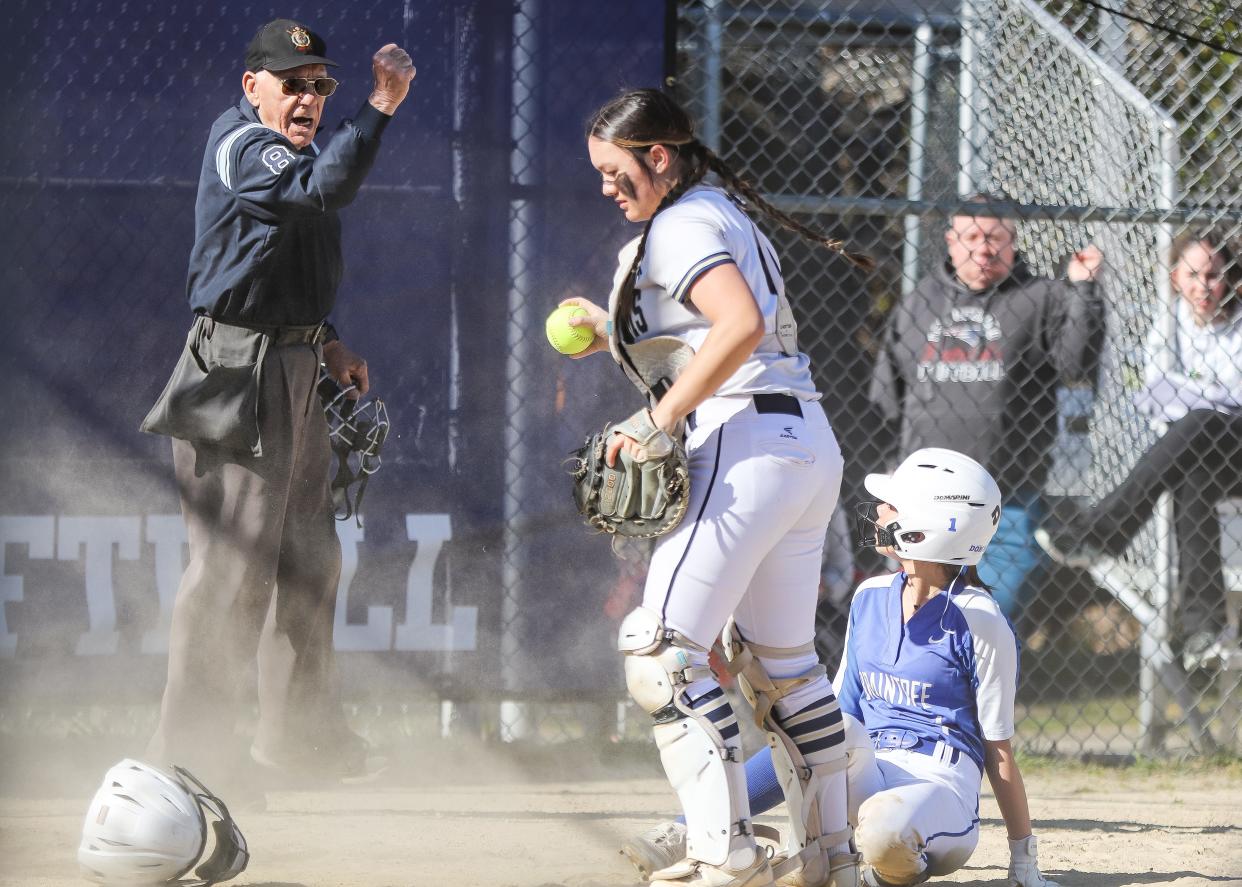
x: 971, y: 360
x: 1193, y: 384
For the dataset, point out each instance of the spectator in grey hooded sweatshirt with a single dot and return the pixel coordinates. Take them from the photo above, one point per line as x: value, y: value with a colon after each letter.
x: 971, y: 360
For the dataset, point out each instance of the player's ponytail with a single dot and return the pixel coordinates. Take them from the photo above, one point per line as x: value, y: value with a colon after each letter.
x: 639, y: 119
x: 751, y: 195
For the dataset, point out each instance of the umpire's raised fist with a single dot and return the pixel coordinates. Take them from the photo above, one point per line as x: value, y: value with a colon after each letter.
x: 393, y: 70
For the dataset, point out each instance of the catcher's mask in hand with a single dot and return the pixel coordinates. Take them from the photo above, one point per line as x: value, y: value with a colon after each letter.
x: 357, y: 430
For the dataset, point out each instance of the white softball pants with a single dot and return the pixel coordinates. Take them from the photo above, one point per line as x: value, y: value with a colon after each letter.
x: 763, y: 487
x: 918, y: 813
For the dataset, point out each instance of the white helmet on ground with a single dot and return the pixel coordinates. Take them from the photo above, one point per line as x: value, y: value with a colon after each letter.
x: 145, y: 826
x: 948, y: 508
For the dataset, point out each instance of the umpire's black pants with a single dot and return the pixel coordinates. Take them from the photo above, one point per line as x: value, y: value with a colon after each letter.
x: 1199, y: 460
x: 264, y: 562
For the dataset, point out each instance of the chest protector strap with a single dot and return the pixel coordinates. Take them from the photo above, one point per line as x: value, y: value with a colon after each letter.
x: 786, y: 325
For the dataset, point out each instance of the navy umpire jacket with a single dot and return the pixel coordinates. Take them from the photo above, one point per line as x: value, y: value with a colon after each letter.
x: 267, y: 238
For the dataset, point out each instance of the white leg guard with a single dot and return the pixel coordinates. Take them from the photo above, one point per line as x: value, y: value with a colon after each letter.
x: 697, y: 734
x: 815, y: 793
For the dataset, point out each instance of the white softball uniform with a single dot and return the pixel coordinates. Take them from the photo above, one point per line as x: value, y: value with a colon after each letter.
x: 765, y: 474
x: 765, y: 466
x: 929, y: 691
x: 763, y: 487
x: 703, y: 229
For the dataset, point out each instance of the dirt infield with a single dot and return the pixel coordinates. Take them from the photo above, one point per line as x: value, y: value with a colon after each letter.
x: 501, y: 824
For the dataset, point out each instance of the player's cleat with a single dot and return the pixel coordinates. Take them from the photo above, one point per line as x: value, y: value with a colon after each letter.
x: 658, y: 847
x: 693, y: 873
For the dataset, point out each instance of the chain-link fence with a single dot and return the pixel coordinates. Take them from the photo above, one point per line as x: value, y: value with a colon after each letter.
x: 455, y: 605
x: 464, y: 603
x: 913, y: 127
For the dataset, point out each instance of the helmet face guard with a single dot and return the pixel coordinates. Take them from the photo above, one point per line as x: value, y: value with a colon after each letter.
x: 868, y: 531
x: 357, y: 430
x: 230, y: 855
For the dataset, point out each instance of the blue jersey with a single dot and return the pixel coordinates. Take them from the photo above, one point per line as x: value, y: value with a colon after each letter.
x: 949, y: 674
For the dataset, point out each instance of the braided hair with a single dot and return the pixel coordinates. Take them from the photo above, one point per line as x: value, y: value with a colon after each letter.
x: 639, y: 119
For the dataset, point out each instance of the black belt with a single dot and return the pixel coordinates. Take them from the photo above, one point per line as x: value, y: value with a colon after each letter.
x: 786, y: 404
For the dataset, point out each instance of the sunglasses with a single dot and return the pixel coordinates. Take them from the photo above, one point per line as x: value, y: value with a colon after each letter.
x: 321, y: 86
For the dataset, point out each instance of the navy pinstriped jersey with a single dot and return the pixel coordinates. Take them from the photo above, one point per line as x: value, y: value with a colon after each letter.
x: 267, y: 239
x: 949, y: 674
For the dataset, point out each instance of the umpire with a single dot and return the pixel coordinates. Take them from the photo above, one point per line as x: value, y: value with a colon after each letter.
x: 250, y: 444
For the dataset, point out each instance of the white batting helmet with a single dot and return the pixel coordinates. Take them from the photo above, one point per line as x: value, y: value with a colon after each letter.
x: 948, y: 508
x: 145, y: 826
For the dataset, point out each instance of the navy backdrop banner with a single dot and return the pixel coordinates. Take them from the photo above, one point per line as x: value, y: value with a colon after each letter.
x: 111, y: 110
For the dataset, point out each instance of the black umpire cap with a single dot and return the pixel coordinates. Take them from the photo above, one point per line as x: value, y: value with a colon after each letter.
x: 283, y: 44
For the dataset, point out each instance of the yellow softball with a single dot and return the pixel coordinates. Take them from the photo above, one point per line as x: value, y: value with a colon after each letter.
x: 565, y: 338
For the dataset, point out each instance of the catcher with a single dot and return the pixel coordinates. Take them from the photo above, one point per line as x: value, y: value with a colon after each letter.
x: 698, y: 319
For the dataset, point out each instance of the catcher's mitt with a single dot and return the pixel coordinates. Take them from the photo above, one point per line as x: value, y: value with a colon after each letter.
x: 357, y: 430
x: 640, y: 500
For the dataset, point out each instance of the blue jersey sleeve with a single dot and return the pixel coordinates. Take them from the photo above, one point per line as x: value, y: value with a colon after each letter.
x: 846, y: 684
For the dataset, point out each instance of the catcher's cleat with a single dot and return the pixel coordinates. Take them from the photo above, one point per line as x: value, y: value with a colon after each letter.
x: 693, y: 873
x: 657, y: 848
